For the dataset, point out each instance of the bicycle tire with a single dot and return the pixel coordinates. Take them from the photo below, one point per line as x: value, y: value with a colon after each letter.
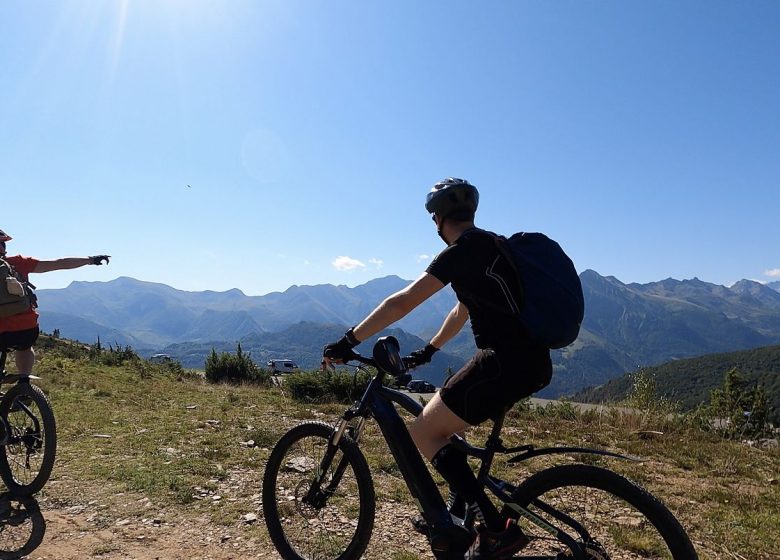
x: 290, y: 520
x: 27, y: 460
x: 633, y: 524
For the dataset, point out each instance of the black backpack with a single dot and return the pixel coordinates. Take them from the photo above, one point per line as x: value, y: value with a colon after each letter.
x: 551, y: 305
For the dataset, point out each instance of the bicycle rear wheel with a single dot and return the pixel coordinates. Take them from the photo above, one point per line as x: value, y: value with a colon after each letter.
x: 27, y: 459
x: 318, y: 517
x: 613, y: 517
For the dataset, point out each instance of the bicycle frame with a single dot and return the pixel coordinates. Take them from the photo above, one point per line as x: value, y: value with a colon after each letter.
x: 377, y: 401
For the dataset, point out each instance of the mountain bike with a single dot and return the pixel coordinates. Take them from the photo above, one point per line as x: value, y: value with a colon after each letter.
x: 28, y: 433
x: 319, y: 500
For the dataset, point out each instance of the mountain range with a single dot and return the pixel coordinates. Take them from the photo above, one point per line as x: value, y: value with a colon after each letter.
x: 625, y: 326
x: 150, y: 315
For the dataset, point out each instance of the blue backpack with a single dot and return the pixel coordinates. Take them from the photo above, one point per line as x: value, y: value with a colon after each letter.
x: 551, y: 305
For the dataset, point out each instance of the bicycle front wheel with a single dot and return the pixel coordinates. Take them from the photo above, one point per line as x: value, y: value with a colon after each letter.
x: 318, y: 501
x: 607, y: 514
x: 27, y: 459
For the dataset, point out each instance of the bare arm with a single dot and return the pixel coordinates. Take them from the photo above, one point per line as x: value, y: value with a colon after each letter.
x: 62, y: 264
x: 451, y: 326
x: 398, y: 305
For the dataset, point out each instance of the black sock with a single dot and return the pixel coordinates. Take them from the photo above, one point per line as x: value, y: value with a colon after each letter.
x: 452, y: 464
x: 456, y: 504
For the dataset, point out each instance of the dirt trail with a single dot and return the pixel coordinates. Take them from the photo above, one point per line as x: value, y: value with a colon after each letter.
x: 48, y: 530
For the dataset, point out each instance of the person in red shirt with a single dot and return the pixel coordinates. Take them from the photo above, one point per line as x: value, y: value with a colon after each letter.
x: 19, y: 332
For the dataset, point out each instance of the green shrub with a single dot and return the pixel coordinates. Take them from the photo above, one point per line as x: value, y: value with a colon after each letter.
x: 563, y: 410
x: 644, y: 396
x: 114, y: 356
x: 234, y: 368
x: 740, y: 410
x: 329, y: 386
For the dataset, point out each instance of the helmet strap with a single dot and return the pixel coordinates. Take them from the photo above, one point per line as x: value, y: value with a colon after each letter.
x: 439, y: 228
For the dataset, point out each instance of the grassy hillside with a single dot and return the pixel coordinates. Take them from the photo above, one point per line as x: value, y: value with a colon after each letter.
x: 155, y: 461
x: 690, y: 381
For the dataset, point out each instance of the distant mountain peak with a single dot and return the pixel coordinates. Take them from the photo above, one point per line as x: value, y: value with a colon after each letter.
x: 119, y: 281
x: 593, y: 278
x: 232, y: 292
x: 744, y: 284
x: 755, y: 289
x: 391, y: 279
x: 697, y: 283
x: 589, y: 273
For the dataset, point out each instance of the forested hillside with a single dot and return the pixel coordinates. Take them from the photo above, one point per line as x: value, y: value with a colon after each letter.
x: 690, y: 381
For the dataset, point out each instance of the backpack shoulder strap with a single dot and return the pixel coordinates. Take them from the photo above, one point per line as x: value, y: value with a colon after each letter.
x: 506, y: 253
x: 502, y: 244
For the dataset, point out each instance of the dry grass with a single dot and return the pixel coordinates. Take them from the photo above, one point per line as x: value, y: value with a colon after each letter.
x: 200, y: 449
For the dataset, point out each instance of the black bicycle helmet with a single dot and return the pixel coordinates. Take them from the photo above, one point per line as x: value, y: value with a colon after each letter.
x: 4, y: 236
x: 453, y: 197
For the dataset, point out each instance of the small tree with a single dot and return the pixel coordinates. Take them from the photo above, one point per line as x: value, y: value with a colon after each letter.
x: 644, y: 395
x: 95, y: 350
x: 741, y: 410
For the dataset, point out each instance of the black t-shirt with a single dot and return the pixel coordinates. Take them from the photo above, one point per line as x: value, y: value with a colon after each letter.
x: 479, y: 273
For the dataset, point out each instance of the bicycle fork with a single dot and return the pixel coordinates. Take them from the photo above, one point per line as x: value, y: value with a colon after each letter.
x: 316, y: 496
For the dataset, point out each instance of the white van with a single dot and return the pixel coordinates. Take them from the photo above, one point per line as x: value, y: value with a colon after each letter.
x: 160, y: 359
x: 282, y: 366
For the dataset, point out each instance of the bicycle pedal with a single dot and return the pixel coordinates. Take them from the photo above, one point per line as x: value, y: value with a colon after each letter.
x: 16, y: 378
x: 451, y: 541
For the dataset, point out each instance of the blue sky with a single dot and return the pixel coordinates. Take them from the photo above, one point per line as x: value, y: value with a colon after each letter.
x: 212, y: 145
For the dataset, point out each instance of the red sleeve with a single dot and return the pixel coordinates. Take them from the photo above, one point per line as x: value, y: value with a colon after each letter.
x: 23, y: 265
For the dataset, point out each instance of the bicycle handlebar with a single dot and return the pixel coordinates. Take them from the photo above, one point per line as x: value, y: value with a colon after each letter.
x: 387, y: 357
x: 365, y: 360
x: 358, y: 358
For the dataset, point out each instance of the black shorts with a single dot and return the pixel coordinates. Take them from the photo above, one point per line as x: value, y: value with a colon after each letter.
x: 491, y: 382
x: 18, y: 340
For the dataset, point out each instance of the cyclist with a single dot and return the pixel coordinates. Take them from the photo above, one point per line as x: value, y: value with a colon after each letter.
x: 19, y: 332
x: 507, y: 367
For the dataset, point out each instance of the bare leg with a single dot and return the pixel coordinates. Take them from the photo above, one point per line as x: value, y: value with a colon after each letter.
x: 432, y: 429
x: 24, y: 361
x: 431, y: 432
